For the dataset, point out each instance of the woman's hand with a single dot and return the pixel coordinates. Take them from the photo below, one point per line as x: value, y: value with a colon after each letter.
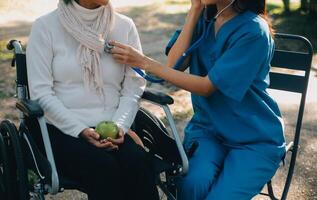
x: 92, y: 137
x: 125, y: 54
x: 119, y: 140
x: 136, y: 138
x: 196, y: 5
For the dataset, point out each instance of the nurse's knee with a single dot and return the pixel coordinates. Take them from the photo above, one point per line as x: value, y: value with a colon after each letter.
x: 196, y: 185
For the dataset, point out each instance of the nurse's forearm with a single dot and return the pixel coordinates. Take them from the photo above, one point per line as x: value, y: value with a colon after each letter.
x: 192, y: 83
x: 184, y: 39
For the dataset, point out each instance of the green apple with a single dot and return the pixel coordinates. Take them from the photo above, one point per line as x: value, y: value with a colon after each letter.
x: 107, y: 129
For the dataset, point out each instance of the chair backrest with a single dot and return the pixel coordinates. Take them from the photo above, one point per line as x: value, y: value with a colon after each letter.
x: 294, y: 61
x: 292, y: 74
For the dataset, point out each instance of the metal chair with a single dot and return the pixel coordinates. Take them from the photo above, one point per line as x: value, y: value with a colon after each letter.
x: 297, y: 61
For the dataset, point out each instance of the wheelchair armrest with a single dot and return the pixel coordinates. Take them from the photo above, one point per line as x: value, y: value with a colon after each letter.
x: 30, y: 108
x: 157, y: 97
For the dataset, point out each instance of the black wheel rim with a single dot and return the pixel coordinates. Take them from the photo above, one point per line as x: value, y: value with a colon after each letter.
x: 15, y: 177
x: 3, y: 164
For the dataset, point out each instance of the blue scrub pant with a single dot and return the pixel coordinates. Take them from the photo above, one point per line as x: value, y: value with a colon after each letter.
x: 219, y: 172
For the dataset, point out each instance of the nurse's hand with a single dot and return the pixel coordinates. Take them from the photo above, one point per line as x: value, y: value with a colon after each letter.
x: 197, y: 5
x: 125, y: 54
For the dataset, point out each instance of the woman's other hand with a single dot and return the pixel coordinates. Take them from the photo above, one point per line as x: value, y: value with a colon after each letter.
x: 119, y: 140
x: 125, y: 54
x: 136, y: 138
x: 92, y: 137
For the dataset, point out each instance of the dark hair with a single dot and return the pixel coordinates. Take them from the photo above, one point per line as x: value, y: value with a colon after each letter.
x: 240, y: 6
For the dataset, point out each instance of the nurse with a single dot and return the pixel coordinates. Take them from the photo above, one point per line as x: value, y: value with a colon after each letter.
x: 237, y: 124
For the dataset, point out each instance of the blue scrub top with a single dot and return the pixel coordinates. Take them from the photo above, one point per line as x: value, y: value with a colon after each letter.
x: 237, y: 61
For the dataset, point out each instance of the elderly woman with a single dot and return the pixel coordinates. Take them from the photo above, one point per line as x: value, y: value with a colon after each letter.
x: 78, y: 86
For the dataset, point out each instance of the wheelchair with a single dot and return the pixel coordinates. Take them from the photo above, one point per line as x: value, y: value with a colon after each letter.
x: 26, y: 172
x: 19, y: 154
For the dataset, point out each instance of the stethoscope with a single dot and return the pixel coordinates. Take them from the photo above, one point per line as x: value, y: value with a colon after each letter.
x: 206, y: 32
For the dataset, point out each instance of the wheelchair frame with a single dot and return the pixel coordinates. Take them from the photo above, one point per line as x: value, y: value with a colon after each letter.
x: 30, y: 108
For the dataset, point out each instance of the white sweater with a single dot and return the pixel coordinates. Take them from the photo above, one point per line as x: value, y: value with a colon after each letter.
x: 56, y: 82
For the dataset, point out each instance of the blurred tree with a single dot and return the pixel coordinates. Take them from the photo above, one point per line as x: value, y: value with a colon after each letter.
x: 313, y: 7
x: 304, y: 5
x: 286, y: 6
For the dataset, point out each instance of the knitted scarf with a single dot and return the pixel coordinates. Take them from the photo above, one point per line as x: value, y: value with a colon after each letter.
x: 91, y: 39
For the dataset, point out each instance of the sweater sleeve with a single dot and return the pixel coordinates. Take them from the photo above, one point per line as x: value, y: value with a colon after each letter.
x: 40, y: 56
x: 133, y: 87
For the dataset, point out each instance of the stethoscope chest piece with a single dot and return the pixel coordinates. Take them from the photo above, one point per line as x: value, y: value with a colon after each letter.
x: 108, y: 47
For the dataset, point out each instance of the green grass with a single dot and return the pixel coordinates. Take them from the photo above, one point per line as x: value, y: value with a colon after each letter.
x: 3, y: 95
x: 295, y: 22
x: 177, y: 2
x: 7, y: 73
x: 5, y: 55
x: 277, y: 7
x: 179, y: 116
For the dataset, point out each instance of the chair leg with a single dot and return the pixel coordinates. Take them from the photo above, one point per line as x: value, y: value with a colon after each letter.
x: 270, y: 191
x: 290, y: 172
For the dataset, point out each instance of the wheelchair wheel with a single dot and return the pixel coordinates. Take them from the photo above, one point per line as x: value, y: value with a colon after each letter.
x: 3, y: 167
x: 13, y: 176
